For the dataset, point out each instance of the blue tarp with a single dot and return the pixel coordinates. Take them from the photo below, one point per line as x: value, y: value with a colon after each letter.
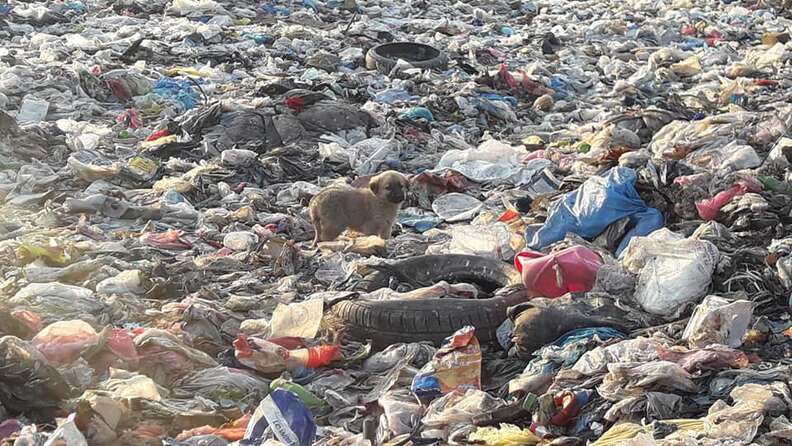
x: 595, y: 205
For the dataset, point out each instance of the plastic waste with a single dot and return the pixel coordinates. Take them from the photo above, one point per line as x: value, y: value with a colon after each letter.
x: 281, y: 416
x: 312, y: 401
x: 718, y: 321
x: 572, y: 270
x: 298, y: 319
x: 67, y: 433
x: 493, y: 162
x: 454, y: 207
x: 402, y: 411
x: 598, y: 203
x: 672, y: 271
x: 272, y: 359
x: 455, y: 366
x: 62, y: 342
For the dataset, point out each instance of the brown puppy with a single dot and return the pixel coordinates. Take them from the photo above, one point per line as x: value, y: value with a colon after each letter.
x: 369, y: 211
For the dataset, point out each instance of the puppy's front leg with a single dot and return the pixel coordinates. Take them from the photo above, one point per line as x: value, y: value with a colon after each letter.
x: 386, y: 230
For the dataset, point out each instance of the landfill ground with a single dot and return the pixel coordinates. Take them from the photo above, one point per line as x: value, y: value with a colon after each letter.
x: 349, y: 222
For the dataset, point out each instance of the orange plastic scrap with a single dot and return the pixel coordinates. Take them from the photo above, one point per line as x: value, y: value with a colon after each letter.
x: 232, y: 431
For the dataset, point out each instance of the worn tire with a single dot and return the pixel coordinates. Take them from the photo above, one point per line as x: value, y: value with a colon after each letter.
x: 389, y: 322
x: 429, y: 269
x: 382, y: 57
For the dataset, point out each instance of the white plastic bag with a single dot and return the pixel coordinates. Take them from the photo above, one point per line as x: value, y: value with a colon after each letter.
x: 482, y: 240
x: 402, y: 411
x: 672, y: 271
x: 455, y: 207
x: 718, y: 321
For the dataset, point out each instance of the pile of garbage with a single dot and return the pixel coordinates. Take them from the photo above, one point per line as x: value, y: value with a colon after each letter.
x: 594, y: 248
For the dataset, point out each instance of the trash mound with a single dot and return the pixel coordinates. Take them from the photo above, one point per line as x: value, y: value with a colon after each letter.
x: 582, y: 237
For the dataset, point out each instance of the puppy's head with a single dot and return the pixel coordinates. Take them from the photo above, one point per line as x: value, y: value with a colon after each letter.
x: 390, y: 186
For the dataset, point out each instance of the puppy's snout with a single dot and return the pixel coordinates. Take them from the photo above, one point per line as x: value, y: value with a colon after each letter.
x: 397, y: 196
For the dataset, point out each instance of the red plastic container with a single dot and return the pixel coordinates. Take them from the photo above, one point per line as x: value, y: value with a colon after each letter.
x: 572, y: 270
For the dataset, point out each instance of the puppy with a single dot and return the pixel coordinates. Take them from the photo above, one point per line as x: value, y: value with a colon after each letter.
x: 370, y: 211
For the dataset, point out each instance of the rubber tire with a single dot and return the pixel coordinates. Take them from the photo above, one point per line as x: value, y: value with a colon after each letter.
x: 430, y: 269
x: 389, y: 322
x: 377, y: 57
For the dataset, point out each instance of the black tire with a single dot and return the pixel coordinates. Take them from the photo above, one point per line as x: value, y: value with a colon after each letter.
x: 489, y: 274
x: 389, y: 322
x: 384, y: 57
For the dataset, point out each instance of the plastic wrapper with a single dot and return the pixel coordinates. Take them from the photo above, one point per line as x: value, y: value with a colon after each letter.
x: 672, y: 271
x: 713, y: 357
x: 456, y: 365
x: 504, y: 435
x: 270, y: 358
x: 459, y: 407
x: 30, y: 384
x: 165, y: 358
x: 403, y: 412
x: 124, y: 384
x: 493, y: 162
x: 718, y: 321
x: 224, y: 383
x: 67, y: 433
x: 282, y: 416
x: 635, y: 350
x: 633, y: 379
x: 454, y: 207
x: 495, y: 240
x: 56, y: 301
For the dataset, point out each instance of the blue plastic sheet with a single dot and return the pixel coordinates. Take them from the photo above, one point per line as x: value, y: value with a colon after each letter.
x: 180, y: 90
x: 282, y: 415
x: 416, y: 113
x: 594, y: 206
x: 585, y: 334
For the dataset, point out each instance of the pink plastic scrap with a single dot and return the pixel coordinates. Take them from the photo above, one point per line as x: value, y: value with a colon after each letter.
x: 708, y: 209
x: 572, y: 270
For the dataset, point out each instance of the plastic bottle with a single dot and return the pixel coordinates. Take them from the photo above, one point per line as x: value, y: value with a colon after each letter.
x: 312, y: 357
x: 270, y: 358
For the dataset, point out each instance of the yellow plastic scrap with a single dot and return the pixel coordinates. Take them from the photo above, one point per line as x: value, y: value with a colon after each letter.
x: 623, y: 432
x: 506, y: 435
x: 618, y: 434
x: 52, y: 255
x: 533, y: 141
x: 187, y: 71
x: 158, y: 142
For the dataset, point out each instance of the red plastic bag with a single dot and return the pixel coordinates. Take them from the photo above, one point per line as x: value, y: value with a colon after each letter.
x: 61, y: 342
x: 708, y: 209
x: 572, y: 270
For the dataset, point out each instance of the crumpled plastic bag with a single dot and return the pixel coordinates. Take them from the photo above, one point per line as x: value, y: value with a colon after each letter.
x: 718, y: 321
x: 633, y: 379
x: 402, y: 410
x: 493, y: 162
x: 61, y: 342
x: 458, y: 407
x: 493, y: 240
x: 456, y: 365
x: 55, y: 301
x: 282, y: 416
x: 672, y: 271
x: 598, y: 203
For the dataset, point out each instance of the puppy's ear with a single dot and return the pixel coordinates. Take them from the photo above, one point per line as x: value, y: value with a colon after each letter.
x: 374, y: 184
